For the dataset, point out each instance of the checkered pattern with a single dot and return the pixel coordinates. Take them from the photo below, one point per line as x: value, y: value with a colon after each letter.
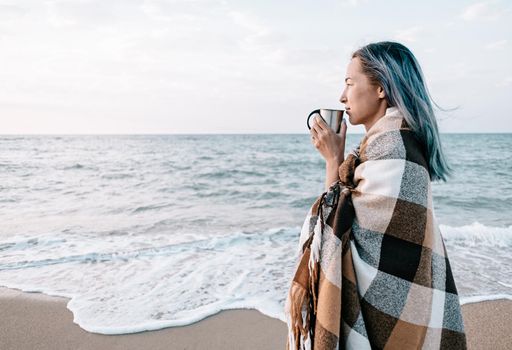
x: 372, y: 271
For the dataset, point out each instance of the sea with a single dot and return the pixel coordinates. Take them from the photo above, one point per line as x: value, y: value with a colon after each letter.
x: 144, y: 232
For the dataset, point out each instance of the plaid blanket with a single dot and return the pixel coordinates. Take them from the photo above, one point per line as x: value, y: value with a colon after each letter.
x: 372, y: 271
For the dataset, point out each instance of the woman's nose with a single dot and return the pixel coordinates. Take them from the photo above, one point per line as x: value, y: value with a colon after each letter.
x: 343, y: 98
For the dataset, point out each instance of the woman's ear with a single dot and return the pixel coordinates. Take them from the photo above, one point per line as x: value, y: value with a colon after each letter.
x: 381, y: 92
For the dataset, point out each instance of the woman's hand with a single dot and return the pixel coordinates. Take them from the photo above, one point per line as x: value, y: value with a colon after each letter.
x: 330, y: 144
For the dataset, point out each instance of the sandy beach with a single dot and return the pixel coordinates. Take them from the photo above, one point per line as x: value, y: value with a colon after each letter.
x: 39, y: 321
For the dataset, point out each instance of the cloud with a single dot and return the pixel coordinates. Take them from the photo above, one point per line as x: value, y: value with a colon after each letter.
x: 11, y: 11
x: 497, y: 45
x: 506, y: 82
x: 481, y: 11
x: 256, y: 35
x: 408, y: 35
x: 430, y: 50
x: 353, y: 3
x: 155, y: 59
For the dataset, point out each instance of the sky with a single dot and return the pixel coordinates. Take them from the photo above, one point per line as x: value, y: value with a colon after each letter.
x: 204, y: 66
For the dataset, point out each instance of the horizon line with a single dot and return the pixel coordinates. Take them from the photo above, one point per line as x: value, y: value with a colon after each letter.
x: 221, y: 133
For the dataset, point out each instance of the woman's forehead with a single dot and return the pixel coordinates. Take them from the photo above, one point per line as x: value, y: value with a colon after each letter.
x: 353, y: 69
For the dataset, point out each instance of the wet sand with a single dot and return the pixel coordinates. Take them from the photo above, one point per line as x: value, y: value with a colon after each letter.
x: 39, y: 321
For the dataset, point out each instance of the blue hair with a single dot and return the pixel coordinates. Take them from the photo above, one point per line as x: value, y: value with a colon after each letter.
x: 392, y: 66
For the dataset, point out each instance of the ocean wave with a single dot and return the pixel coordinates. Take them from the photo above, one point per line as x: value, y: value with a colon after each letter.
x: 229, y: 173
x: 305, y: 202
x: 217, y: 243
x: 116, y: 176
x: 478, y: 234
x: 23, y: 244
x: 75, y: 166
x: 151, y: 207
x: 183, y: 282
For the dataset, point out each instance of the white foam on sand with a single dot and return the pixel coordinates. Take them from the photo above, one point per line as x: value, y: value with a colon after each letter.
x: 127, y: 284
x: 479, y: 298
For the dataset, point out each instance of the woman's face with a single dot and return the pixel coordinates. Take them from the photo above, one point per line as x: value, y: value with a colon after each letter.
x: 364, y: 103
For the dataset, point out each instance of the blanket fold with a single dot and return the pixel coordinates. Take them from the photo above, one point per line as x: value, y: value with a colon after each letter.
x: 372, y: 271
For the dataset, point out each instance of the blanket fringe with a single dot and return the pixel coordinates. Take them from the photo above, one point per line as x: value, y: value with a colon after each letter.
x: 297, y: 301
x: 316, y: 247
x: 314, y: 258
x: 313, y: 285
x: 301, y: 303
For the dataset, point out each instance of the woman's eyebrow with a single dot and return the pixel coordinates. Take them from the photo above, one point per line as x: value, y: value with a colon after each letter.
x: 347, y: 78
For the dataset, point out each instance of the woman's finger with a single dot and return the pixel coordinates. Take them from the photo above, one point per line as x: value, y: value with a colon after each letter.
x: 314, y: 132
x: 343, y: 129
x: 320, y: 122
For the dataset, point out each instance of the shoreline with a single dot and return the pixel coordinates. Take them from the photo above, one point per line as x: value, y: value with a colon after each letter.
x: 40, y: 321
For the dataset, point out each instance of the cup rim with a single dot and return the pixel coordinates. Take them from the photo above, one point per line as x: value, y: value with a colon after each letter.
x: 330, y: 109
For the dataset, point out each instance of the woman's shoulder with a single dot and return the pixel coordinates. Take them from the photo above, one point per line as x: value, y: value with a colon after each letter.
x: 392, y: 138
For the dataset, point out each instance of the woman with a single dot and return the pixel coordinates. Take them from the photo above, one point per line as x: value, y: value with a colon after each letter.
x: 372, y: 269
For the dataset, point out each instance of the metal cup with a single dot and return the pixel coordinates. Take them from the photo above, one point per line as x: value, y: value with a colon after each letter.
x: 332, y: 117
